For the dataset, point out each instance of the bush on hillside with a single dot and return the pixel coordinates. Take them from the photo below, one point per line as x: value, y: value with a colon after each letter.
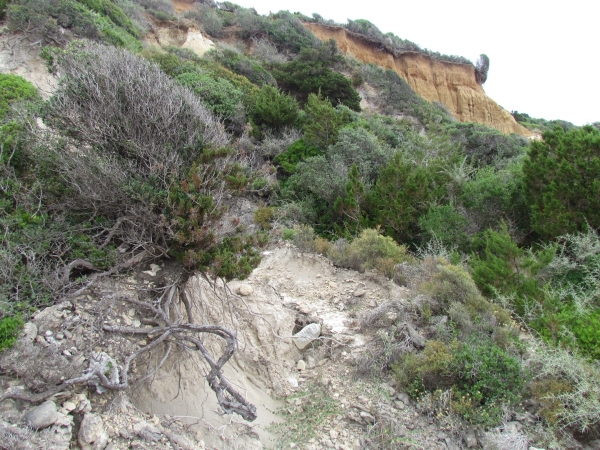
x: 562, y: 177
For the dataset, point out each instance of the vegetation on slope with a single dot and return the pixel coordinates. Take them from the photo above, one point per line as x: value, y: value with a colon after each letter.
x: 139, y: 153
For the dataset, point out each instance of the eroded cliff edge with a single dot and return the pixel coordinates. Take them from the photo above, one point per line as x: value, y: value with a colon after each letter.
x: 452, y: 84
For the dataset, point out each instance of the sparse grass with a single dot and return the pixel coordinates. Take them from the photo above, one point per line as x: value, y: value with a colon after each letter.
x: 302, y: 416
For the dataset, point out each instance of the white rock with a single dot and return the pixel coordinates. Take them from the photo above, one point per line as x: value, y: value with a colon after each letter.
x: 308, y: 334
x: 92, y: 435
x: 245, y: 290
x: 293, y: 382
x: 69, y: 406
x: 301, y: 365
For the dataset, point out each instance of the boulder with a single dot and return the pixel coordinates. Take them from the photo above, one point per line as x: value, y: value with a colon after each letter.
x: 42, y: 416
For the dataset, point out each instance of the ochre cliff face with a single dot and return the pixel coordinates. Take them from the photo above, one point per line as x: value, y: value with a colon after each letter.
x: 454, y: 85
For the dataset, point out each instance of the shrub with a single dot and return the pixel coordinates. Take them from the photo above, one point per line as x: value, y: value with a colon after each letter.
x: 562, y: 177
x: 263, y: 216
x: 45, y: 19
x: 243, y: 65
x: 481, y: 376
x: 401, y: 195
x: 219, y: 95
x: 492, y: 196
x: 573, y: 397
x: 297, y: 152
x: 311, y: 72
x: 322, y: 122
x: 3, y: 4
x: 14, y: 88
x: 133, y: 120
x: 273, y: 109
x: 446, y: 224
x: 370, y: 250
x: 9, y: 331
x: 286, y: 31
x: 486, y: 146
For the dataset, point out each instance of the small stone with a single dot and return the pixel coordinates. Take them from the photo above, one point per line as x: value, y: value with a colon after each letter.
x: 67, y: 353
x: 245, y: 290
x: 69, y: 406
x: 404, y: 398
x: 301, y: 365
x: 60, y: 336
x: 399, y: 404
x: 40, y: 340
x: 42, y: 416
x: 68, y: 334
x: 131, y: 312
x: 360, y: 292
x: 293, y: 382
x: 333, y: 434
x: 333, y: 285
x: 49, y: 332
x: 391, y: 391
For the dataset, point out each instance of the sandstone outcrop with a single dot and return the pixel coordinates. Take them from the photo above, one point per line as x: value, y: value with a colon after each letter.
x: 452, y: 84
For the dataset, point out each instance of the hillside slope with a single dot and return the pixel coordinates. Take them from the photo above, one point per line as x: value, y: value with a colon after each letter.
x: 452, y: 84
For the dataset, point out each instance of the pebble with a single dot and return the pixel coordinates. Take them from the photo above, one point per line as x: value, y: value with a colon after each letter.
x: 245, y: 290
x: 399, y: 404
x: 301, y: 365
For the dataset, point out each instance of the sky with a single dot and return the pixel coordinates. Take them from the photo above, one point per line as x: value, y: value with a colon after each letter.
x: 544, y: 55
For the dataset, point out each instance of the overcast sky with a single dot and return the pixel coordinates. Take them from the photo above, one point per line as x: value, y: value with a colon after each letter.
x: 544, y: 55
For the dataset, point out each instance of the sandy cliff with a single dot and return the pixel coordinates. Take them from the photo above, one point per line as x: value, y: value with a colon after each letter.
x: 452, y: 84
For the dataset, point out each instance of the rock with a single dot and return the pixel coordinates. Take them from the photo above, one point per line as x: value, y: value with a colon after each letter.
x: 293, y: 382
x: 469, y: 439
x: 42, y: 416
x: 403, y: 397
x: 181, y: 442
x: 391, y: 390
x: 92, y: 435
x: 535, y: 448
x: 107, y: 365
x: 308, y: 334
x: 30, y: 331
x: 245, y: 290
x: 301, y: 365
x: 399, y: 404
x: 69, y: 406
x: 360, y: 292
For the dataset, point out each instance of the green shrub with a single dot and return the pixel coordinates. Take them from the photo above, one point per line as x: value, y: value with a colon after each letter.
x: 289, y: 234
x: 243, y: 65
x: 9, y: 331
x: 311, y: 73
x: 370, y: 250
x: 322, y: 122
x: 492, y: 196
x: 3, y: 4
x: 484, y: 145
x: 219, y: 95
x: 14, y: 88
x: 446, y: 224
x: 562, y: 176
x: 273, y: 109
x: 286, y: 31
x: 297, y: 152
x: 46, y: 17
x: 401, y: 195
x: 482, y: 377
